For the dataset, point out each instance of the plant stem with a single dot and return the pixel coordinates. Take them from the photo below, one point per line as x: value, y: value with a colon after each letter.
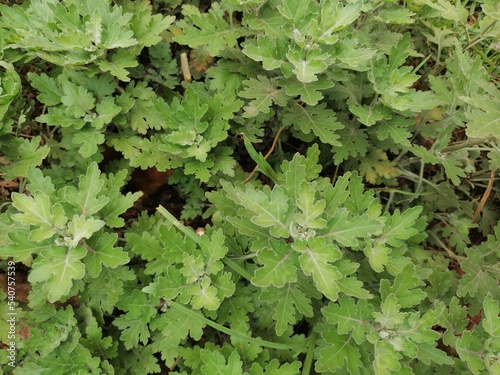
x: 465, y: 144
x: 298, y: 347
x: 237, y: 268
x: 176, y: 223
x: 307, y: 365
x: 478, y: 38
x: 450, y: 253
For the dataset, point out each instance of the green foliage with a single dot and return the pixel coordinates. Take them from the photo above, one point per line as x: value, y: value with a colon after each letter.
x: 10, y: 85
x: 338, y: 159
x: 64, y: 227
x: 81, y: 33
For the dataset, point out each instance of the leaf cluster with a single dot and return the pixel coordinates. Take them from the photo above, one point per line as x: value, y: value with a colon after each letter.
x: 338, y: 160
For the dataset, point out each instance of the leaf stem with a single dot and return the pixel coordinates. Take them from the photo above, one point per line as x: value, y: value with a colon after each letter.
x: 299, y: 346
x: 451, y: 254
x: 307, y: 364
x: 465, y: 144
x: 237, y: 268
x: 479, y: 37
x: 413, y: 177
x: 176, y: 223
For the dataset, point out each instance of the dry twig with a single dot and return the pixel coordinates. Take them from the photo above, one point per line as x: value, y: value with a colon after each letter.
x: 485, y: 196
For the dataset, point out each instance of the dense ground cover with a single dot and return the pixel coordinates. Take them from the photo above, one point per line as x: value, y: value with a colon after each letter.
x: 250, y: 187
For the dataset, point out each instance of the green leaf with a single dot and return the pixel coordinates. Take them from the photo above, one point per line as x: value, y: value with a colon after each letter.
x: 351, y: 285
x: 401, y: 226
x: 337, y: 196
x: 10, y: 85
x: 452, y: 166
x: 270, y: 51
x: 395, y: 15
x: 352, y: 57
x: 309, y: 93
x: 491, y: 321
x: 478, y: 280
x: 490, y: 7
x: 268, y: 20
x: 214, y: 251
x: 269, y: 209
x: 311, y: 210
x: 386, y: 360
x: 94, y: 339
x: 306, y: 68
x: 104, y: 291
x: 350, y: 317
x: 80, y: 227
x: 454, y: 319
x: 144, y: 115
x: 319, y: 120
x: 289, y: 303
x: 294, y: 10
x: 57, y: 268
x: 415, y: 101
x: 134, y: 324
x: 204, y: 295
x: 279, y: 266
x: 469, y: 348
x: 78, y: 100
x: 263, y: 93
x: 336, y: 351
x: 118, y: 203
x: 317, y: 260
x: 215, y: 363
x: 353, y: 142
x: 484, y: 118
x: 390, y: 315
x: 88, y: 138
x: 102, y: 252
x: 335, y: 16
x: 175, y: 326
x: 347, y: 231
x: 298, y: 170
x: 449, y: 11
x: 169, y: 286
x: 275, y: 368
x: 369, y: 115
x: 39, y: 182
x: 86, y: 200
x: 159, y: 250
x: 235, y: 310
x: 428, y: 354
x: 397, y: 128
x: 399, y: 53
x: 117, y: 33
x: 378, y: 255
x: 209, y: 29
x: 20, y: 155
x: 148, y: 28
x: 38, y: 211
x: 21, y: 247
x: 118, y: 64
x: 404, y: 288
